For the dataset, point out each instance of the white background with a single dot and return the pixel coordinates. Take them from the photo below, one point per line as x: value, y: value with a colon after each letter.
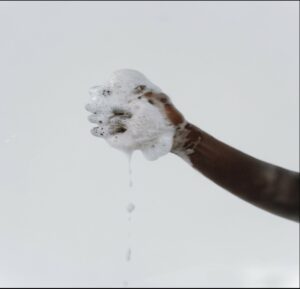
x: 231, y: 68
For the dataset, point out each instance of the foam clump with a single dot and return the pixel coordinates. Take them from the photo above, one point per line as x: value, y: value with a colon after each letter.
x: 126, y: 119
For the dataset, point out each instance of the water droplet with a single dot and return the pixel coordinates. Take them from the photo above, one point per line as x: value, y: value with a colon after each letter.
x: 130, y: 207
x: 128, y: 255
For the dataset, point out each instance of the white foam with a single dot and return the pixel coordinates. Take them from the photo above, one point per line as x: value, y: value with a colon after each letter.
x: 147, y: 129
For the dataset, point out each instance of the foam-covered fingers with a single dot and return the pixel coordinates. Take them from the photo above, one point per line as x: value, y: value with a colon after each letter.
x: 100, y: 131
x: 115, y: 124
x: 113, y: 127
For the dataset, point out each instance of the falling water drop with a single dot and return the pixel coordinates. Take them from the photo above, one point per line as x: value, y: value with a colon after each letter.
x: 130, y: 208
x: 128, y: 255
x: 130, y: 169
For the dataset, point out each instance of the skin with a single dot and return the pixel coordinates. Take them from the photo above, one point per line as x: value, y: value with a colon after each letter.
x: 262, y: 184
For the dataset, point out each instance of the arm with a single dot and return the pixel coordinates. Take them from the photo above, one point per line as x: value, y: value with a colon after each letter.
x: 264, y: 185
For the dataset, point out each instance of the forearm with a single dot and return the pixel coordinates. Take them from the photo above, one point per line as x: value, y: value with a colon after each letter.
x: 265, y: 185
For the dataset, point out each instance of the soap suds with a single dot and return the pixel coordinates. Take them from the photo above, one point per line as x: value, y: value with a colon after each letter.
x: 126, y: 119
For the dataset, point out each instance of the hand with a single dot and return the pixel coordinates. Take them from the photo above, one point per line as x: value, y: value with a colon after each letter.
x: 138, y: 119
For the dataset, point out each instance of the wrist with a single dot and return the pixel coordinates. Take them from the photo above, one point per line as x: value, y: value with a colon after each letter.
x: 186, y: 139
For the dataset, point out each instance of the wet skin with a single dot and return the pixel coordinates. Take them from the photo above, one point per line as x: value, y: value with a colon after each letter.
x: 262, y: 184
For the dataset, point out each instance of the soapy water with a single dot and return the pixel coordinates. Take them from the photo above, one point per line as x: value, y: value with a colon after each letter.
x: 129, y: 208
x: 129, y: 169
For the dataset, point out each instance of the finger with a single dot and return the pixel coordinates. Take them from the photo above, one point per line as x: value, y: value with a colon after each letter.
x: 96, y: 118
x: 99, y: 131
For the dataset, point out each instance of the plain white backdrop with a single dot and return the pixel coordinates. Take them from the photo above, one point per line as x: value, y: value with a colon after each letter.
x: 231, y: 67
